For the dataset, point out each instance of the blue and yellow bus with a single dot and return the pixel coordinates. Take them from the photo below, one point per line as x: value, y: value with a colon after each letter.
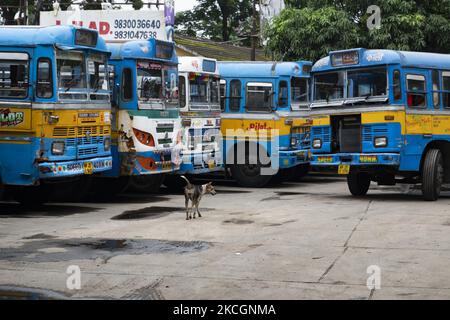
x: 55, y: 108
x: 383, y: 116
x: 265, y: 124
x: 146, y: 122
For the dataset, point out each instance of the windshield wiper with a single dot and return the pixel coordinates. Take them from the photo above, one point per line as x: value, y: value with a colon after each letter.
x: 71, y: 83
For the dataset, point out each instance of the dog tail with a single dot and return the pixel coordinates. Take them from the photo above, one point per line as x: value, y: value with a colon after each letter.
x: 188, y: 183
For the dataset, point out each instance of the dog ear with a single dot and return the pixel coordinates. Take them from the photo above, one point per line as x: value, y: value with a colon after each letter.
x: 209, y: 183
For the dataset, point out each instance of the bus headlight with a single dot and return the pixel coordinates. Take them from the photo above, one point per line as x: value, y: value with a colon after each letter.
x: 293, y: 141
x: 107, y: 144
x: 317, y: 143
x: 380, y: 142
x: 58, y: 148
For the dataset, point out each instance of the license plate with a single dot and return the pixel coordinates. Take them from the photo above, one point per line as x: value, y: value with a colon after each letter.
x: 167, y: 165
x: 88, y: 168
x: 344, y: 169
x: 211, y: 164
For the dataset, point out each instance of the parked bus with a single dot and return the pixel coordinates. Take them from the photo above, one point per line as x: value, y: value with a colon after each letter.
x: 199, y: 90
x: 146, y: 122
x: 383, y: 116
x: 54, y: 108
x: 259, y: 97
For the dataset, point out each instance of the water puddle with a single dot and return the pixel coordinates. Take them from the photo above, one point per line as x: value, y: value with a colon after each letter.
x: 238, y: 221
x: 21, y: 293
x: 90, y: 248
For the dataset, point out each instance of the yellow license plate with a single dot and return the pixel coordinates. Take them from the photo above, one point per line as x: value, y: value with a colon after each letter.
x: 211, y: 164
x: 344, y: 169
x: 167, y: 165
x: 88, y: 168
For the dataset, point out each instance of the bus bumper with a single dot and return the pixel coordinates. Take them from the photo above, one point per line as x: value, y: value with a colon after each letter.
x: 74, y: 168
x: 201, y: 162
x: 293, y: 158
x: 355, y: 159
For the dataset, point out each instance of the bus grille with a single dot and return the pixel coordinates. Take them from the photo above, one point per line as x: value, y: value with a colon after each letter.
x: 372, y: 131
x: 322, y: 133
x: 84, y: 152
x: 74, y: 132
x: 73, y: 142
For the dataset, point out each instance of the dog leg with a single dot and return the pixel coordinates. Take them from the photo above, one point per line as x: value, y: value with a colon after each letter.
x: 198, y: 211
x: 192, y: 209
x: 194, y: 206
x: 186, y: 204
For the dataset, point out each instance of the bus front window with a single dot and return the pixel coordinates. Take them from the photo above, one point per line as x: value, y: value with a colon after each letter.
x: 98, y: 77
x: 215, y: 93
x: 329, y: 86
x: 14, y: 77
x: 299, y: 92
x: 171, y: 86
x: 149, y: 81
x: 367, y: 83
x: 198, y: 90
x: 71, y: 75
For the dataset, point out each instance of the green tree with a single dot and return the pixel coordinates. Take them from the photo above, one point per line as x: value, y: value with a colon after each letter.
x: 320, y: 25
x: 310, y: 33
x: 216, y: 19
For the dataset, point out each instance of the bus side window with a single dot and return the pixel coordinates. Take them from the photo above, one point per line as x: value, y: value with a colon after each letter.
x: 182, y: 84
x: 283, y: 97
x: 44, y: 86
x: 223, y: 94
x: 417, y: 90
x: 436, y: 90
x: 446, y: 89
x: 127, y: 84
x: 235, y: 95
x: 397, y: 85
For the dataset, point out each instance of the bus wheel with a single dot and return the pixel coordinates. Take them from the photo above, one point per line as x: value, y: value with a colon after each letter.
x: 32, y: 196
x: 146, y: 183
x: 358, y: 183
x: 174, y: 183
x: 249, y: 175
x: 432, y: 175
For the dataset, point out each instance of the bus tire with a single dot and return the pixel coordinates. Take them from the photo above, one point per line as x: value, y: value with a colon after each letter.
x: 32, y: 196
x: 240, y: 173
x: 432, y: 175
x: 358, y: 183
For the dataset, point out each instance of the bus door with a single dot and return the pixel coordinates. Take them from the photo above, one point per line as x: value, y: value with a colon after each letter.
x: 419, y: 119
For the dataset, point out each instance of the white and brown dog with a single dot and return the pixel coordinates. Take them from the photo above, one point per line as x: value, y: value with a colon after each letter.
x: 194, y: 193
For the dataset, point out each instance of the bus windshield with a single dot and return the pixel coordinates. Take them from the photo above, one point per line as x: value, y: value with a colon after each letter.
x: 171, y: 84
x: 71, y: 72
x: 329, y: 86
x: 299, y: 92
x: 149, y: 81
x: 204, y: 91
x: 82, y: 76
x: 356, y: 85
x: 367, y: 83
x: 98, y: 77
x: 14, y: 77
